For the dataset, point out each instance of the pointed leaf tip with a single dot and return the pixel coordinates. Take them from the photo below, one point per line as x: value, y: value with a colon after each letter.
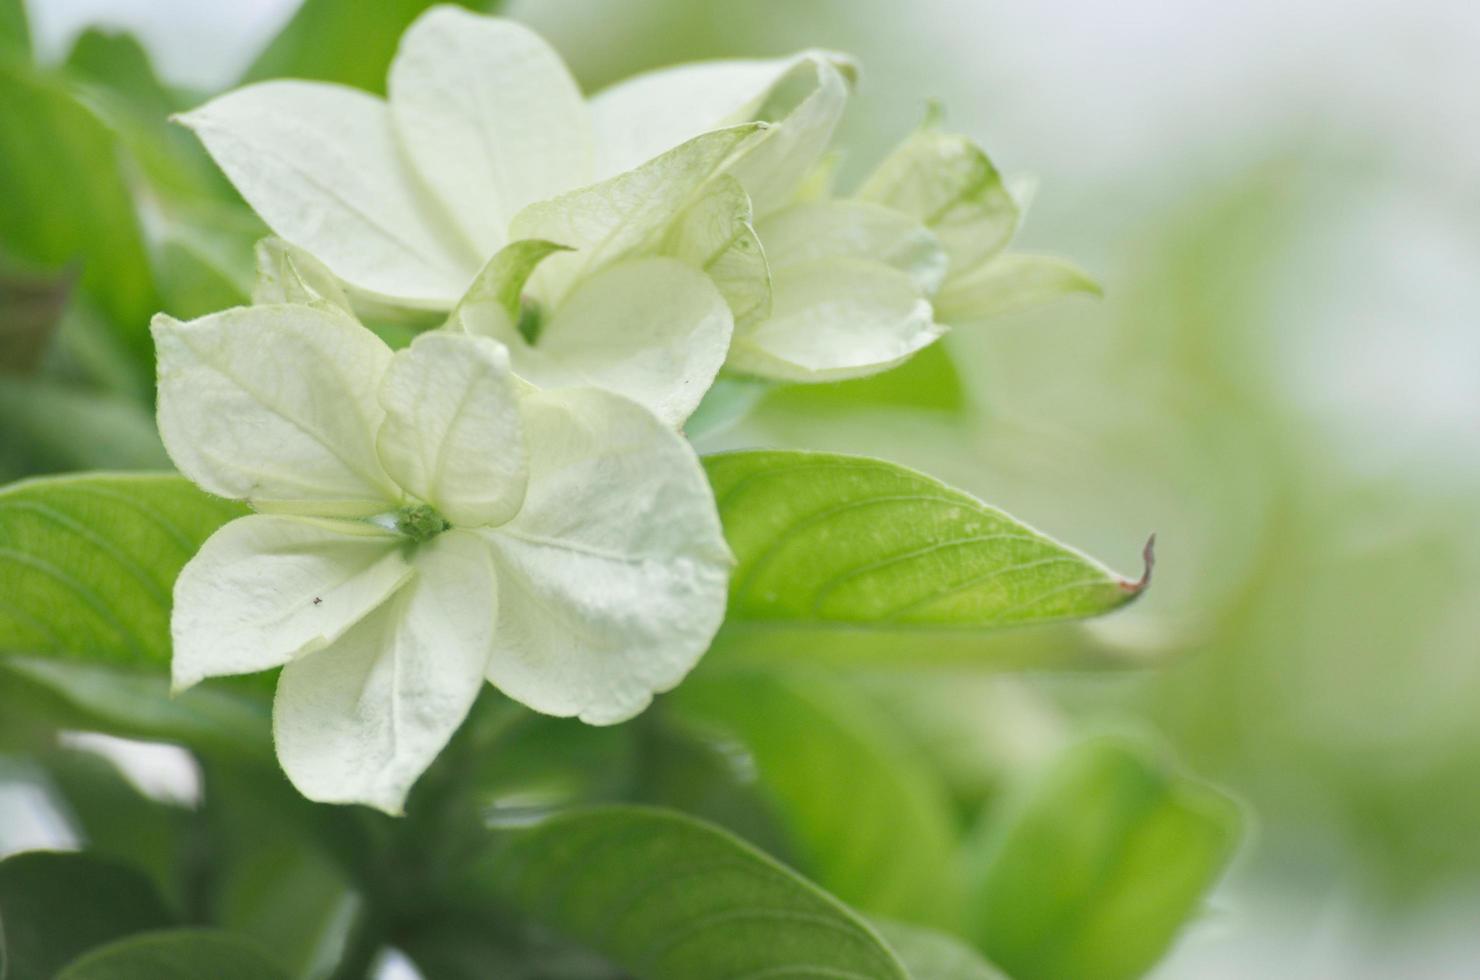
x: 1148, y: 558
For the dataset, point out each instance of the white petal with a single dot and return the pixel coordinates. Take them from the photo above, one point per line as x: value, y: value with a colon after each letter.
x: 613, y: 576
x: 320, y: 164
x: 640, y: 117
x: 774, y: 168
x: 288, y: 274
x: 714, y: 234
x: 452, y: 434
x: 834, y: 319
x: 655, y: 330
x: 626, y: 215
x: 264, y: 590
x: 1011, y: 282
x: 854, y: 229
x: 494, y: 303
x: 361, y: 719
x: 490, y: 116
x: 276, y: 405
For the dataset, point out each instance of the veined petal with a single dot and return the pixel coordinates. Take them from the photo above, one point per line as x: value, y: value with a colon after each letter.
x: 265, y: 589
x: 775, y: 166
x: 276, y: 405
x: 947, y: 182
x: 320, y: 164
x: 627, y: 214
x: 452, y: 434
x: 613, y: 576
x: 288, y: 274
x: 361, y: 719
x: 834, y: 319
x: 854, y: 229
x: 640, y: 117
x: 490, y: 116
x: 714, y: 234
x: 655, y: 330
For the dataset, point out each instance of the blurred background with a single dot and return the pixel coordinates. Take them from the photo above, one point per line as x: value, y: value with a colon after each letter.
x: 1283, y: 381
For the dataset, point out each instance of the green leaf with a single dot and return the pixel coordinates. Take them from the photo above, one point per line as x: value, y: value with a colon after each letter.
x: 669, y: 898
x: 931, y: 955
x: 346, y: 41
x: 1011, y: 283
x: 1096, y: 870
x: 31, y: 305
x: 853, y: 542
x: 929, y: 380
x: 15, y: 32
x: 87, y: 563
x: 947, y: 183
x: 175, y: 954
x: 67, y: 200
x: 52, y: 427
x: 887, y: 845
x: 56, y: 906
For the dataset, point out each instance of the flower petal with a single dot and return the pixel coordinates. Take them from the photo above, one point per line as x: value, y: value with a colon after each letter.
x: 648, y: 114
x: 655, y: 330
x: 288, y: 274
x: 276, y: 405
x: 490, y: 116
x: 833, y: 319
x: 774, y: 167
x: 854, y: 229
x: 452, y: 434
x: 320, y: 164
x: 264, y: 590
x: 714, y: 234
x: 614, y: 574
x: 1011, y: 282
x: 361, y: 719
x: 626, y: 215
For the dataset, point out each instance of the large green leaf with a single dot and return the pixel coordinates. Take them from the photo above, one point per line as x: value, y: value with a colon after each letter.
x: 347, y: 41
x: 885, y: 845
x: 15, y: 32
x: 669, y: 898
x: 847, y: 541
x: 66, y: 199
x: 87, y: 563
x: 1095, y: 871
x: 56, y: 906
x: 931, y: 955
x: 175, y: 954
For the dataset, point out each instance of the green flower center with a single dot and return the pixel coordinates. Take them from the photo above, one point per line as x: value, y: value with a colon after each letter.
x: 421, y: 523
x: 531, y: 319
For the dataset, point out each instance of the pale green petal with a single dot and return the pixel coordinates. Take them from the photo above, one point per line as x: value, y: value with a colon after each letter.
x: 655, y: 330
x: 854, y: 229
x: 490, y: 117
x: 452, y: 434
x: 834, y: 319
x: 774, y: 168
x: 494, y: 303
x: 276, y: 405
x: 613, y: 576
x: 714, y: 234
x: 627, y: 214
x: 264, y: 590
x: 1009, y: 283
x: 947, y: 182
x: 288, y: 274
x: 320, y: 164
x: 361, y: 719
x: 648, y: 114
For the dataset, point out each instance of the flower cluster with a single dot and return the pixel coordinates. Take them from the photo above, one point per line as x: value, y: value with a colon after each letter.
x: 509, y: 497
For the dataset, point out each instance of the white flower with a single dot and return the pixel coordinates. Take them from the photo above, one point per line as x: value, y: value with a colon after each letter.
x: 425, y: 522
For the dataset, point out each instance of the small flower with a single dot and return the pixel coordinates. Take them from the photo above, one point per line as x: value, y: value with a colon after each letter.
x: 425, y: 521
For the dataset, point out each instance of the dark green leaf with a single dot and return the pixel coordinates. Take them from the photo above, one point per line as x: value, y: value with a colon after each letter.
x: 885, y: 845
x: 346, y: 41
x: 31, y: 305
x: 852, y: 542
x: 55, y: 906
x: 1093, y: 874
x: 931, y: 955
x: 87, y: 563
x: 67, y: 201
x: 669, y: 898
x: 176, y: 954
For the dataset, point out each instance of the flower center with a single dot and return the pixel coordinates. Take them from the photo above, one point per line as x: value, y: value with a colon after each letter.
x: 530, y: 320
x: 420, y: 523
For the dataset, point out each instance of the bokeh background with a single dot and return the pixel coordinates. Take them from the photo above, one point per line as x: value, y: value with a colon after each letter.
x: 1283, y: 381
